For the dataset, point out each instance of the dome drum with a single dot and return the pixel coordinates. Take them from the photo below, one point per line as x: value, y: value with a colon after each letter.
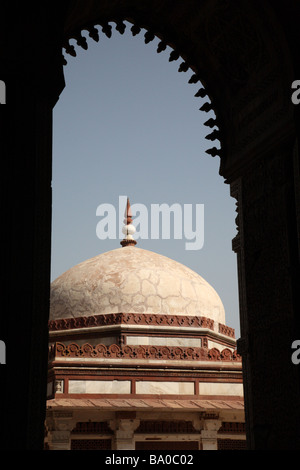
x: 134, y: 297
x: 140, y: 329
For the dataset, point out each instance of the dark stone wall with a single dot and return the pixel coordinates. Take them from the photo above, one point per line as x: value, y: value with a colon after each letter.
x: 246, y: 55
x: 30, y: 67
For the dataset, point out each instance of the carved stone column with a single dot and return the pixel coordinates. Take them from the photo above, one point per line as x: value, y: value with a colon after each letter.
x: 31, y: 66
x: 124, y: 433
x: 209, y: 435
x: 268, y: 265
x: 60, y: 425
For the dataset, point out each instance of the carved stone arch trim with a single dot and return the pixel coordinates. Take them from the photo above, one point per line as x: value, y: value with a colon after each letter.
x: 107, y: 27
x: 230, y: 46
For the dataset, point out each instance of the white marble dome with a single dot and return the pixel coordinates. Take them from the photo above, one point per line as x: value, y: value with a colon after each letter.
x: 133, y: 280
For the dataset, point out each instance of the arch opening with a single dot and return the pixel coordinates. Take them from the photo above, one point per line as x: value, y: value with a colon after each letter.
x: 106, y: 28
x: 153, y: 188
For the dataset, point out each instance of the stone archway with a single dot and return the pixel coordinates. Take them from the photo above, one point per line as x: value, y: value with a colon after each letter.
x: 231, y: 50
x: 245, y: 57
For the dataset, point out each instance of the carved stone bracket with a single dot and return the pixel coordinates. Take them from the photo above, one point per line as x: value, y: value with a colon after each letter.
x: 59, y: 425
x: 124, y: 429
x: 209, y: 434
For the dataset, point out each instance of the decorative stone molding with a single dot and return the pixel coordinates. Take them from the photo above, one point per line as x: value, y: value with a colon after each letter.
x: 134, y: 319
x: 166, y: 427
x: 59, y: 386
x: 92, y: 427
x: 115, y: 351
x: 226, y: 330
x: 232, y: 428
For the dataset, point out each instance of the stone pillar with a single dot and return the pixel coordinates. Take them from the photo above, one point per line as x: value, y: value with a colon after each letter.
x: 31, y: 67
x: 209, y: 435
x: 60, y: 440
x: 60, y: 425
x: 124, y: 433
x: 267, y: 246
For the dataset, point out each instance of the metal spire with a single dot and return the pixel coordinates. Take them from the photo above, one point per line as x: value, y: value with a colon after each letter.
x: 128, y: 228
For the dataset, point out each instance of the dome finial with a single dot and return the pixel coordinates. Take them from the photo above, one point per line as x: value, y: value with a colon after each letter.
x: 128, y: 228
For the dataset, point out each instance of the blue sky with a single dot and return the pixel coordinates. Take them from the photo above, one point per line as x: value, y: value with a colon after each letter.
x: 128, y: 124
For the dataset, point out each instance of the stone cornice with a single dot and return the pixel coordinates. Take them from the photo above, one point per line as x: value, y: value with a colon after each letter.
x: 114, y: 351
x: 138, y: 319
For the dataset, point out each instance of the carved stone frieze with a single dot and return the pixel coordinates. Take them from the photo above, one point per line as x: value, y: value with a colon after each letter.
x: 135, y: 319
x: 166, y: 427
x: 115, y: 351
x: 92, y: 427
